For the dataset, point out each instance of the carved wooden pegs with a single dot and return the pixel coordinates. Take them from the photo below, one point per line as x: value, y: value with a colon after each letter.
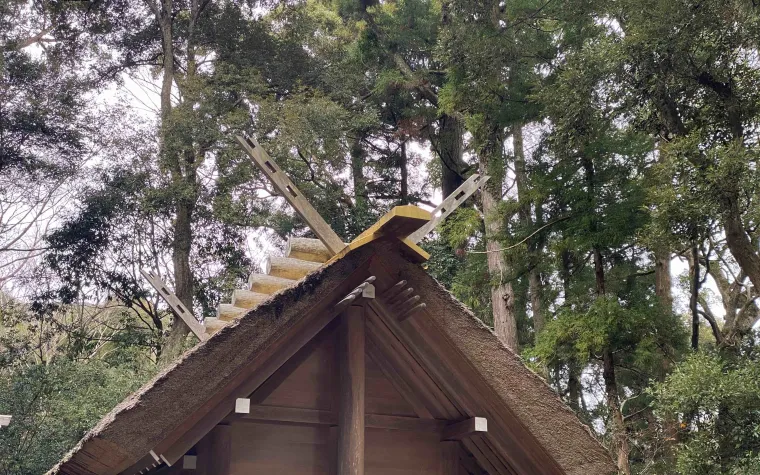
x: 402, y: 301
x: 364, y: 290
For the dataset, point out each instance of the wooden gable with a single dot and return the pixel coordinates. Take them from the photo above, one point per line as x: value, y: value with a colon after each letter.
x: 423, y: 401
x: 290, y: 423
x: 268, y: 392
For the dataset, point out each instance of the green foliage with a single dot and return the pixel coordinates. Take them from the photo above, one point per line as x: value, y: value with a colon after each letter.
x: 460, y: 226
x: 715, y: 399
x: 632, y: 331
x: 53, y: 406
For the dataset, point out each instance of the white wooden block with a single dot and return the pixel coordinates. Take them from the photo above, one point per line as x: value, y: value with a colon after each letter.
x: 5, y: 420
x: 189, y: 462
x: 242, y: 405
x: 369, y: 291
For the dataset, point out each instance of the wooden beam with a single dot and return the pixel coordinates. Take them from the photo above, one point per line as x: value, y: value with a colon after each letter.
x: 449, y: 204
x: 466, y: 428
x: 307, y: 249
x: 364, y: 291
x: 391, y: 292
x: 410, y: 370
x: 381, y: 320
x: 403, y: 303
x: 484, y: 459
x: 268, y: 284
x: 287, y: 369
x: 289, y: 268
x: 290, y: 192
x: 399, y: 222
x: 411, y: 311
x: 148, y: 462
x: 247, y: 299
x: 228, y: 312
x: 294, y: 415
x: 467, y: 461
x: 213, y: 325
x: 400, y: 297
x: 411, y: 424
x: 175, y: 304
x: 455, y: 378
x: 394, y: 225
x: 351, y: 356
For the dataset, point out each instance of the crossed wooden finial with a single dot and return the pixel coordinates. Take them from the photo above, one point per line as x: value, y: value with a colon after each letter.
x: 408, y: 224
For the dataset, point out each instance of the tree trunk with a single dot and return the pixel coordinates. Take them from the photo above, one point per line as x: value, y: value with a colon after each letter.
x: 737, y: 239
x: 182, y: 164
x: 663, y: 285
x: 588, y: 168
x: 357, y: 173
x: 403, y: 165
x: 565, y: 274
x: 165, y: 24
x: 694, y: 295
x: 535, y: 286
x: 599, y: 271
x: 662, y: 280
x: 619, y: 437
x: 183, y: 279
x: 573, y: 385
x: 449, y: 148
x: 360, y: 218
x: 739, y: 243
x: 502, y: 295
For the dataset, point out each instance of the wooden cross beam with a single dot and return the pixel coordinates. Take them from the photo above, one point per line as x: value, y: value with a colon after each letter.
x: 408, y: 223
x: 175, y: 304
x: 449, y: 204
x: 291, y: 193
x: 466, y: 428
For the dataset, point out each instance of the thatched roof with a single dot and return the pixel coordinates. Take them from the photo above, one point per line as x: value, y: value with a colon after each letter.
x: 533, y: 428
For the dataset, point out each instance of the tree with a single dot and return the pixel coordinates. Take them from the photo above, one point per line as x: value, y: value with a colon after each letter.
x: 42, y: 128
x: 714, y: 401
x: 699, y: 95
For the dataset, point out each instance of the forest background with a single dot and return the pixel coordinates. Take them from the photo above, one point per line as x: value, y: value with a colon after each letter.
x: 615, y: 247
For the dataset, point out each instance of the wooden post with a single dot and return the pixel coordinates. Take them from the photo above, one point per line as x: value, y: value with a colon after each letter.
x: 450, y: 458
x: 215, y: 451
x: 351, y: 400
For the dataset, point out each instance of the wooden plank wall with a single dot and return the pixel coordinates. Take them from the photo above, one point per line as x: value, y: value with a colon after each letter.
x: 309, y: 447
